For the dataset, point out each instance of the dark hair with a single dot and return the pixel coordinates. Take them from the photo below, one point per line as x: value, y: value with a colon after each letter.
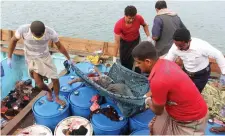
x: 161, y: 4
x: 145, y: 50
x: 130, y: 11
x: 182, y: 35
x: 38, y: 28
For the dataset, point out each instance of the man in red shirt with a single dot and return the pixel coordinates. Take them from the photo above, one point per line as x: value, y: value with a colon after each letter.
x: 127, y: 35
x: 179, y: 107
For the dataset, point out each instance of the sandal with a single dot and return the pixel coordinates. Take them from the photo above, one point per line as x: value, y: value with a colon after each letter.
x: 217, y: 129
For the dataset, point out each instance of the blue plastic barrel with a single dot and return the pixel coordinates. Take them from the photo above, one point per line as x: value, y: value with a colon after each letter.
x: 209, y: 126
x: 103, y: 125
x: 141, y: 120
x: 65, y: 88
x: 80, y: 101
x: 49, y: 113
x: 87, y: 67
x: 141, y: 132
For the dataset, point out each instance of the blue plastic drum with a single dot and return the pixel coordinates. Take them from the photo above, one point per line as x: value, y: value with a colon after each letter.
x: 87, y: 67
x: 110, y: 100
x: 103, y: 125
x: 141, y: 132
x: 141, y: 120
x: 80, y: 101
x: 65, y: 88
x: 49, y: 113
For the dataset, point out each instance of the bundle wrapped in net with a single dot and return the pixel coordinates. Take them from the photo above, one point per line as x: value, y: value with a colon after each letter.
x: 137, y: 84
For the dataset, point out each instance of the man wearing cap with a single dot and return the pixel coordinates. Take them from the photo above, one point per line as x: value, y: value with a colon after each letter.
x: 195, y: 55
x: 127, y: 35
x: 36, y: 37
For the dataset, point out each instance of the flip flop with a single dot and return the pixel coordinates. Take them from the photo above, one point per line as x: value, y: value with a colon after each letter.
x: 217, y: 129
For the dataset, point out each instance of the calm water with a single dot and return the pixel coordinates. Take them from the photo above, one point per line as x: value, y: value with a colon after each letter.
x: 95, y: 20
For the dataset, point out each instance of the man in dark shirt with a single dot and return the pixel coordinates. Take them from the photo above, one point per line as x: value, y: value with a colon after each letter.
x: 166, y: 22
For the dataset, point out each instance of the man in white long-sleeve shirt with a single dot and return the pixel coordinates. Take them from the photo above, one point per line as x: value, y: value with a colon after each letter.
x: 195, y: 55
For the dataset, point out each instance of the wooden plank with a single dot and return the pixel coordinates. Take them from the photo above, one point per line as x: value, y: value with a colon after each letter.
x: 81, y: 44
x: 18, y: 45
x: 5, y: 35
x: 13, y: 123
x: 21, y: 51
x: 16, y: 51
x: 105, y: 48
x: 0, y: 34
x: 10, y: 34
x: 111, y: 49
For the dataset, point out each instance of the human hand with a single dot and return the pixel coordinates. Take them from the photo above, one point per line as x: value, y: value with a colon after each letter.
x: 222, y: 80
x: 148, y: 100
x: 151, y: 40
x: 70, y: 62
x: 9, y: 62
x: 114, y: 59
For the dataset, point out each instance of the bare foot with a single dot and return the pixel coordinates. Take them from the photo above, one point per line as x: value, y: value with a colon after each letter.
x: 49, y: 96
x: 60, y: 102
x: 217, y: 129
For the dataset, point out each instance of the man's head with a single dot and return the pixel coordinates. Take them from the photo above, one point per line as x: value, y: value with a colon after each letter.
x: 38, y: 29
x: 145, y: 56
x: 130, y: 13
x: 182, y: 39
x: 160, y: 4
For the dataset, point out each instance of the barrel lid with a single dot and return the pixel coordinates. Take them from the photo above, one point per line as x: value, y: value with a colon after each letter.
x: 35, y: 130
x: 67, y: 121
x: 85, y: 67
x: 104, y: 123
x: 65, y: 87
x: 144, y: 118
x: 141, y: 132
x: 82, y: 97
x: 44, y: 108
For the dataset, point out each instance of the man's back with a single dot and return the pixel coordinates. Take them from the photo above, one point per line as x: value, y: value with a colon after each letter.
x: 171, y: 85
x: 168, y: 23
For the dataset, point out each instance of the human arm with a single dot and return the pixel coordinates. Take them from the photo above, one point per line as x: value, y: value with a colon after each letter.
x: 12, y: 44
x: 157, y: 28
x: 171, y: 55
x: 159, y: 97
x: 62, y: 49
x: 117, y: 33
x: 210, y: 51
x: 182, y: 24
x: 145, y: 27
x: 116, y: 45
